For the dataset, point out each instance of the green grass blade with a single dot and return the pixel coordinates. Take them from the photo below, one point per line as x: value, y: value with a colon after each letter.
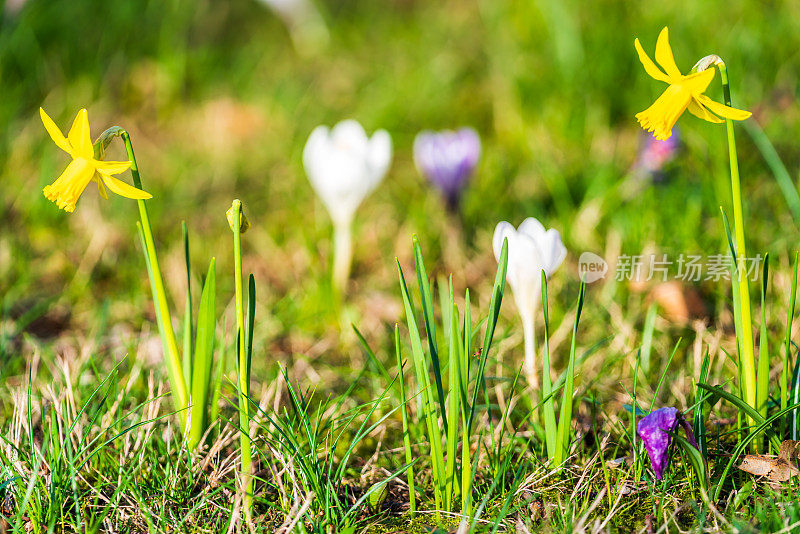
x: 404, y: 411
x: 466, y: 461
x: 430, y: 323
x: 250, y: 324
x: 751, y: 412
x: 647, y: 337
x: 491, y: 323
x: 453, y: 396
x: 203, y: 357
x: 762, y: 376
x: 548, y: 408
x: 565, y: 417
x: 776, y: 165
x: 764, y: 426
x: 187, y: 313
x: 428, y: 402
x: 699, y: 414
x: 695, y: 458
x: 371, y: 355
x: 664, y: 372
x: 787, y: 354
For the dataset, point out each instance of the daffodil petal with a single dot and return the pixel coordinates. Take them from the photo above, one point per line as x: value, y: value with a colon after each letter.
x: 697, y: 109
x: 55, y: 134
x: 121, y: 188
x: 722, y: 110
x: 112, y: 167
x: 100, y: 187
x: 649, y: 67
x: 699, y: 82
x: 664, y: 55
x: 80, y: 137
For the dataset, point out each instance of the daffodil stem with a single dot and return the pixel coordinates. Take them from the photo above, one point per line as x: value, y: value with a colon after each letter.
x: 342, y: 255
x: 745, y: 336
x: 172, y: 353
x: 244, y: 378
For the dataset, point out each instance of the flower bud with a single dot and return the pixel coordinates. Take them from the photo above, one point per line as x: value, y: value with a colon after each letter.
x: 236, y: 211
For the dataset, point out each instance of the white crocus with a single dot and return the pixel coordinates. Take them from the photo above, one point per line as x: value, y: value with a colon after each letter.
x: 531, y: 250
x: 344, y: 166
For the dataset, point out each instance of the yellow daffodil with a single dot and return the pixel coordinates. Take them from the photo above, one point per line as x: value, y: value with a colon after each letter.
x: 84, y: 168
x: 684, y: 93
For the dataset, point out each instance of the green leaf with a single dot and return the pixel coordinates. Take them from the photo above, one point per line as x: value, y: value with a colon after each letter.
x: 548, y: 407
x: 249, y: 324
x: 565, y: 418
x: 187, y: 313
x: 744, y: 407
x: 695, y: 458
x: 430, y: 323
x: 203, y: 357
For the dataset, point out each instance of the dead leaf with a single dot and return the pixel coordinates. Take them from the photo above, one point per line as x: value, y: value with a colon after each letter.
x: 778, y: 469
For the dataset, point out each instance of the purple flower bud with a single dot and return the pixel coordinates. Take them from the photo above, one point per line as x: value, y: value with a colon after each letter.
x: 654, y: 431
x: 447, y: 159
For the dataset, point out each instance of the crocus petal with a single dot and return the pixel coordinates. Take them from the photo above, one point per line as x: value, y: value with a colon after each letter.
x: 697, y: 109
x: 664, y: 55
x: 55, y: 134
x: 723, y: 110
x: 379, y: 155
x: 649, y: 67
x: 531, y: 249
x: 79, y: 136
x: 121, y: 188
x: 654, y: 432
x: 447, y: 159
x: 344, y: 166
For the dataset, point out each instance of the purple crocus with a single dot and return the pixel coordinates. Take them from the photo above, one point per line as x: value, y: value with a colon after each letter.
x: 654, y: 155
x: 654, y: 431
x: 447, y: 159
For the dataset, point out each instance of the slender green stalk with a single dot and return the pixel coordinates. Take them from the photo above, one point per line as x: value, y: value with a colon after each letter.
x: 787, y: 355
x: 745, y: 335
x: 412, y: 498
x: 549, y: 416
x: 762, y: 375
x: 187, y: 313
x: 453, y: 386
x: 172, y: 354
x: 466, y: 469
x: 342, y: 256
x: 565, y: 417
x: 235, y: 218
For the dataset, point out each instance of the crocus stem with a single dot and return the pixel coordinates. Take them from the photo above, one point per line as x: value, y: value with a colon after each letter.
x: 342, y: 255
x: 746, y: 335
x: 172, y: 354
x: 529, y: 334
x: 244, y: 379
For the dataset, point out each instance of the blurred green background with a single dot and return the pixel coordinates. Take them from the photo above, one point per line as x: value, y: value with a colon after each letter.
x: 220, y: 101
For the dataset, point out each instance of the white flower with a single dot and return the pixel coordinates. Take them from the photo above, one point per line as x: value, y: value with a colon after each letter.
x: 531, y: 249
x: 344, y: 166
